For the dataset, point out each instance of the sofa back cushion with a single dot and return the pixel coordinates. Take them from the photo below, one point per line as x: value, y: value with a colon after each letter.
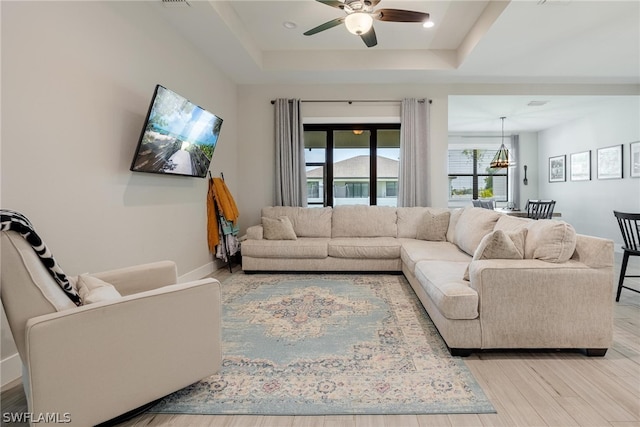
x: 307, y: 222
x: 27, y: 288
x: 512, y: 223
x: 472, y: 226
x: 547, y: 239
x: 413, y: 221
x: 550, y: 240
x: 364, y: 221
x: 453, y: 221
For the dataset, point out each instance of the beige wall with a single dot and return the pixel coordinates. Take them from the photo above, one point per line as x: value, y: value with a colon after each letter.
x: 77, y: 79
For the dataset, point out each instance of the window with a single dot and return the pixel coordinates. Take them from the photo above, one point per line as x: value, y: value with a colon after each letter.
x: 352, y: 164
x: 470, y: 176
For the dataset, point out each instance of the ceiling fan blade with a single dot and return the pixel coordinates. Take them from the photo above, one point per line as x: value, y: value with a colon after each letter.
x: 369, y: 38
x: 325, y: 26
x: 333, y: 3
x: 399, y: 15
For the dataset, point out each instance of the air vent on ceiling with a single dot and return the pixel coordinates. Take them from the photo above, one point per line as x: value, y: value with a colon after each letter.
x: 175, y: 3
x: 537, y: 103
x: 552, y: 2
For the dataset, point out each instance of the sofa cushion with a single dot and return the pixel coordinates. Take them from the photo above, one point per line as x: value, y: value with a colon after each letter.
x: 550, y: 240
x: 473, y: 225
x: 442, y: 281
x: 410, y: 218
x: 511, y: 223
x: 92, y: 289
x: 278, y: 228
x: 418, y: 250
x: 365, y: 247
x: 453, y: 221
x: 364, y: 221
x: 303, y: 247
x: 255, y: 232
x: 307, y: 222
x: 433, y: 226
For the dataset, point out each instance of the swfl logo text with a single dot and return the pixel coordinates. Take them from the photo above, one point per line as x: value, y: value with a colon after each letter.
x: 30, y: 417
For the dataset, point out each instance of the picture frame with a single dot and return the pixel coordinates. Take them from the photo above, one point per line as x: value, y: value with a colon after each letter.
x: 610, y: 162
x: 634, y: 168
x: 557, y: 168
x: 581, y: 166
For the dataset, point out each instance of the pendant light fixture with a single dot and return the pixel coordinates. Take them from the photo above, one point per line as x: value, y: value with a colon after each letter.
x: 501, y: 159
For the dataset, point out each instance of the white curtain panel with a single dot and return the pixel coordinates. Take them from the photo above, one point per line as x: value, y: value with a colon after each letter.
x: 290, y: 165
x: 414, y: 143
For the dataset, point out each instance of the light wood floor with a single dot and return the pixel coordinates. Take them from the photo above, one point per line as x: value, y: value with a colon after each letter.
x: 526, y: 388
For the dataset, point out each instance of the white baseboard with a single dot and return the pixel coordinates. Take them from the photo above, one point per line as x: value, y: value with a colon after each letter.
x: 200, y: 272
x: 10, y: 369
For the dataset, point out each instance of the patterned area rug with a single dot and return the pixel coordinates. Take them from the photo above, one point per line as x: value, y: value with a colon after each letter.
x: 327, y: 345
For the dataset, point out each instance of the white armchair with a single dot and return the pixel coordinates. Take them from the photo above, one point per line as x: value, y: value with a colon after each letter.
x: 97, y: 361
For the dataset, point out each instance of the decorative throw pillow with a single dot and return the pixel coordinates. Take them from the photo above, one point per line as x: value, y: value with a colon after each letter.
x: 500, y: 244
x: 92, y: 289
x: 434, y: 227
x: 278, y: 228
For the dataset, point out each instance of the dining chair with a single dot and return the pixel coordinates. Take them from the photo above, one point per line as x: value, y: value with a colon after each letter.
x: 630, y: 228
x: 540, y: 209
x: 486, y: 204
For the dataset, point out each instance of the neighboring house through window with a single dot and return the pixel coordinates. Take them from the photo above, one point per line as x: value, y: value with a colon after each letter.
x: 352, y: 164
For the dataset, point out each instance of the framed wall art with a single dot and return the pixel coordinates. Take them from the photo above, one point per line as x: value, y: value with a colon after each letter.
x: 634, y: 170
x: 610, y: 162
x: 557, y: 168
x: 581, y: 166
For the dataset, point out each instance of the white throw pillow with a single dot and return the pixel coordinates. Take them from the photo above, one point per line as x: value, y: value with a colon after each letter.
x: 278, y: 228
x: 92, y: 290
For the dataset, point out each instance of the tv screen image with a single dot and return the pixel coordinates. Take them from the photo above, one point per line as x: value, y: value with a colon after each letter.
x: 178, y: 137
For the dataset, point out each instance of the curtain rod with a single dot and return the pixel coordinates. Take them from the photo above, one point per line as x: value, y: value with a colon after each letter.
x: 351, y: 101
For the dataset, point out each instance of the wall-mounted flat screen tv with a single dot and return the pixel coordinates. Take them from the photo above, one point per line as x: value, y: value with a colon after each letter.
x: 178, y: 137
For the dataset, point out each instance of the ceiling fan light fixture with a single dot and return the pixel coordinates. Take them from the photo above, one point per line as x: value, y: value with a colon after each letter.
x: 358, y: 23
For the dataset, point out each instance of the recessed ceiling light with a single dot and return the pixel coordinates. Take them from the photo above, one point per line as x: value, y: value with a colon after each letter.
x: 428, y: 24
x: 290, y: 25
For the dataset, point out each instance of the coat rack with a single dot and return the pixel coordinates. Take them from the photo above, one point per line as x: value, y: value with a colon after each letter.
x: 222, y: 220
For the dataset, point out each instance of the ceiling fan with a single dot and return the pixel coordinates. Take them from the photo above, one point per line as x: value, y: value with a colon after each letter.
x: 360, y: 16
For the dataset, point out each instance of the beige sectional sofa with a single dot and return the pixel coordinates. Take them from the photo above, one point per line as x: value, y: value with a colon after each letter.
x: 487, y: 280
